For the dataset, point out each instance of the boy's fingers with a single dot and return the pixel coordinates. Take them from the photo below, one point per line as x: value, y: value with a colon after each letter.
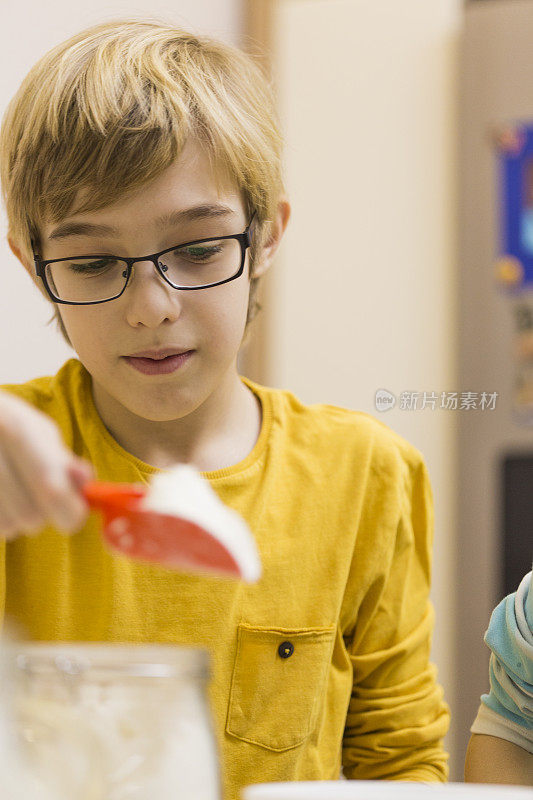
x: 63, y: 505
x: 80, y: 472
x: 40, y: 478
x: 51, y: 488
x: 17, y: 508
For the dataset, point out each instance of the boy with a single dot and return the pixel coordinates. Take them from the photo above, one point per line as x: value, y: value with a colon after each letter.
x: 137, y: 137
x: 501, y: 746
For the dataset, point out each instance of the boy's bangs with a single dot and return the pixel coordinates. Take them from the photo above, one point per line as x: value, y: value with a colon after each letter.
x: 110, y: 171
x: 124, y: 100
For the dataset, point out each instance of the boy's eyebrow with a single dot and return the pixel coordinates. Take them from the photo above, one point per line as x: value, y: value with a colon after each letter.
x: 67, y: 229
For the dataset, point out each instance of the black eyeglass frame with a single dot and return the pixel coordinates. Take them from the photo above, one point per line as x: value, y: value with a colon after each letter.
x: 244, y: 239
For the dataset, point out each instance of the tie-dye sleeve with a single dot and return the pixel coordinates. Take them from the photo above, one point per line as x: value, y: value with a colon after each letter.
x: 507, y: 711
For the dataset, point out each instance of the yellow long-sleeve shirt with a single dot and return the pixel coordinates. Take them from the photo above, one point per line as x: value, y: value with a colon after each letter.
x: 341, y: 509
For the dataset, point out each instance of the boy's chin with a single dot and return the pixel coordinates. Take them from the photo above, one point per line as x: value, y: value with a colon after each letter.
x: 152, y: 408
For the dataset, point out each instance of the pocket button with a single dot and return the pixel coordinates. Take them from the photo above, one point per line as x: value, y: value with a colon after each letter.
x: 286, y: 649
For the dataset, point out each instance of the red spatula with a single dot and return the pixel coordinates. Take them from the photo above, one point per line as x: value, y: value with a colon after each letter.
x: 172, y: 541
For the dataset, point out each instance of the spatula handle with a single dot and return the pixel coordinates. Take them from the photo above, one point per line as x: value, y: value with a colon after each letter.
x: 102, y: 494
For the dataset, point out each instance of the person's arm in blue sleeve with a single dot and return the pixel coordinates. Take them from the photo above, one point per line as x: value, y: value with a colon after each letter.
x: 501, y: 746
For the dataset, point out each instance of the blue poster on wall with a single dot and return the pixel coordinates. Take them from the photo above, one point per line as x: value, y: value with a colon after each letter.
x: 514, y: 268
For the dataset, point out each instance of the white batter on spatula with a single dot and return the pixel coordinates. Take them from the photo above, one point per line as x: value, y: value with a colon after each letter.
x: 183, y: 492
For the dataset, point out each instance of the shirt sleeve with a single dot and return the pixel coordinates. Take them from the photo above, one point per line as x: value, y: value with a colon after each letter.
x: 507, y: 711
x: 397, y: 717
x: 490, y: 723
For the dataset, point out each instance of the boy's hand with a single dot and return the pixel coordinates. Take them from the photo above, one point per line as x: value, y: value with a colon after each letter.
x: 40, y: 477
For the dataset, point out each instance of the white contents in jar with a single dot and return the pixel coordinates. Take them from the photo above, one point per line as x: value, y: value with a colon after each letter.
x: 181, y: 491
x: 116, y: 722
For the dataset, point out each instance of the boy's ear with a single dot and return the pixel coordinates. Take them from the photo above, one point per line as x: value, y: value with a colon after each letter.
x: 265, y: 256
x: 18, y: 253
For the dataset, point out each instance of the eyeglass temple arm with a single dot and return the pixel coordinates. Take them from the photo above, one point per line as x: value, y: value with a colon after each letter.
x: 32, y: 241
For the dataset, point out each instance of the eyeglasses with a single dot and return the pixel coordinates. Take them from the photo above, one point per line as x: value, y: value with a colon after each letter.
x: 200, y: 264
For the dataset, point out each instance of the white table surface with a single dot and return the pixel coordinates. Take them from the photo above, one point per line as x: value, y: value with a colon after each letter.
x: 383, y: 790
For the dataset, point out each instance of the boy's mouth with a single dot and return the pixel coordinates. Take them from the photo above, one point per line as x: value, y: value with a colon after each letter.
x: 161, y: 365
x: 158, y: 355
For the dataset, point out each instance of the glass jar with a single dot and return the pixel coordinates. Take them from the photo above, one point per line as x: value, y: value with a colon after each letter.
x: 114, y: 721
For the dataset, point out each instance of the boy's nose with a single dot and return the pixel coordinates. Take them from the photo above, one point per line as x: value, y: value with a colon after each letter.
x: 149, y: 298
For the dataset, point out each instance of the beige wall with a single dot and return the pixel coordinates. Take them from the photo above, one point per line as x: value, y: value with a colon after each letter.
x: 362, y: 295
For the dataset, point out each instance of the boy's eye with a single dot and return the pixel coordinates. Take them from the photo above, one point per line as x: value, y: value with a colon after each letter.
x: 198, y: 252
x: 82, y: 265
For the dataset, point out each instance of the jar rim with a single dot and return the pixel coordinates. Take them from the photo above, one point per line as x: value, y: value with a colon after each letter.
x: 126, y: 659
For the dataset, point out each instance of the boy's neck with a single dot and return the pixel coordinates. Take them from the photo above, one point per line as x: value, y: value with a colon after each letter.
x: 221, y: 432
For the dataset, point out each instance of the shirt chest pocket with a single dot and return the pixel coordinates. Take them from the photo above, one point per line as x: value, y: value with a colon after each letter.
x: 278, y: 684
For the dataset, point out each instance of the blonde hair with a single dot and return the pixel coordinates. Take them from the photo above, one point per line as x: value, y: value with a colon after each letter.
x: 111, y: 108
